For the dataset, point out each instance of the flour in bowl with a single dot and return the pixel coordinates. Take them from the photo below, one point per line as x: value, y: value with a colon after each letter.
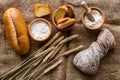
x: 98, y: 19
x: 40, y: 30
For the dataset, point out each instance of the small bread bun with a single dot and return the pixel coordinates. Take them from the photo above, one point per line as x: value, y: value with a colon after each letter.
x: 66, y: 23
x: 41, y: 10
x: 16, y: 30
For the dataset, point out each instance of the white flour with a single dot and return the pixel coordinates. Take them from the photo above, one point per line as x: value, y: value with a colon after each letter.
x: 40, y: 29
x: 97, y: 17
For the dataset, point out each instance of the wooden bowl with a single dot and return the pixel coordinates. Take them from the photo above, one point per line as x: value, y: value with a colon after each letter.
x: 99, y: 25
x: 40, y: 19
x: 54, y: 22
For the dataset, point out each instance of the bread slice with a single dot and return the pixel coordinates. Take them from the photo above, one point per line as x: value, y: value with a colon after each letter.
x: 41, y: 10
x: 60, y: 13
x: 65, y: 7
x: 70, y: 11
x: 67, y: 23
x: 63, y: 20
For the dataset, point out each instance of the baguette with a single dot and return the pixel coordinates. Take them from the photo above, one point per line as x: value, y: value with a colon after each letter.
x: 66, y: 23
x: 16, y: 30
x: 41, y: 10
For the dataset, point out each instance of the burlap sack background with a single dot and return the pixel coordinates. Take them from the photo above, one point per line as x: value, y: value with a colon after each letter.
x: 110, y: 65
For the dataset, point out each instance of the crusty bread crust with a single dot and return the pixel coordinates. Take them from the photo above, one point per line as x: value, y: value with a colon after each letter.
x: 16, y: 30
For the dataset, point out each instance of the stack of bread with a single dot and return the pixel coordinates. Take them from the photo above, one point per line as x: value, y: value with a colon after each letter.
x: 63, y: 17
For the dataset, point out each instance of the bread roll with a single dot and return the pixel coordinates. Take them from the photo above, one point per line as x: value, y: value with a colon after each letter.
x: 16, y: 30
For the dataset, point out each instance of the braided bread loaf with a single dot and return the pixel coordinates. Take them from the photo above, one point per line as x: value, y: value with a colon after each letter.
x: 88, y: 60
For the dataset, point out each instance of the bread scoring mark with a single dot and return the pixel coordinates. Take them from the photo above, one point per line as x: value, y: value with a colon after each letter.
x: 13, y: 30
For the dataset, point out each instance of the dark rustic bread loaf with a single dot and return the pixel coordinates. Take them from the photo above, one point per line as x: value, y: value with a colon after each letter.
x: 88, y: 60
